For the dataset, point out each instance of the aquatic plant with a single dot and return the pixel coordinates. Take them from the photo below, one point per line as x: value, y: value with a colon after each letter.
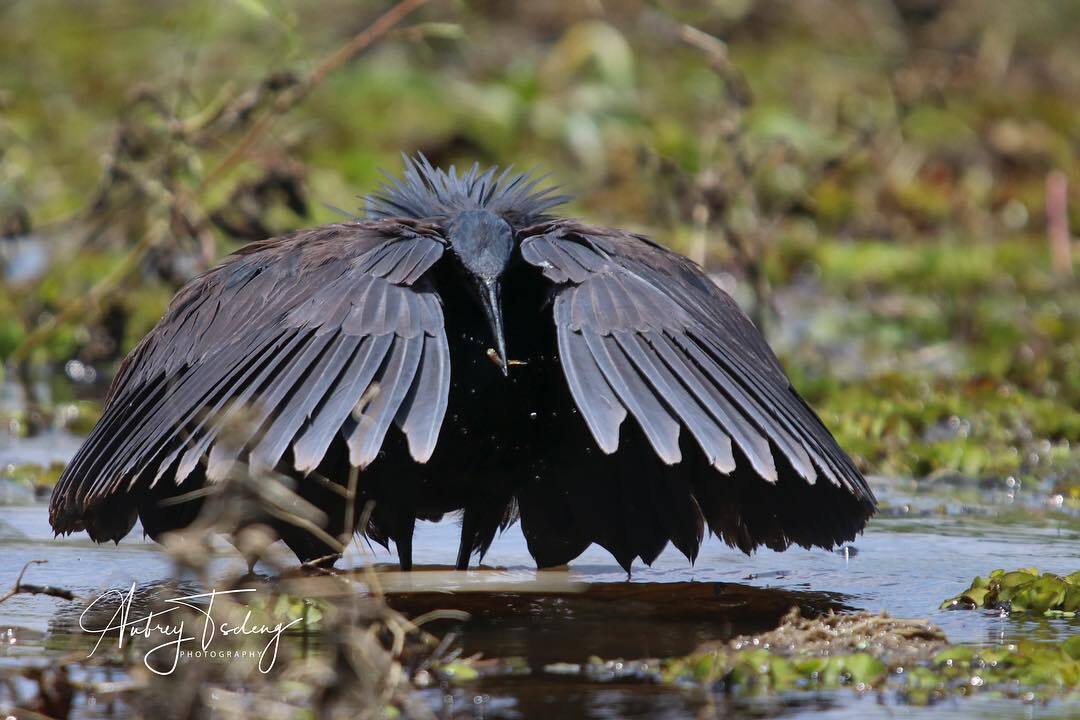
x: 1025, y: 591
x: 828, y: 652
x: 909, y: 661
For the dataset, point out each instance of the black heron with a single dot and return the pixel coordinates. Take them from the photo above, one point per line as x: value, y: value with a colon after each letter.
x: 583, y: 379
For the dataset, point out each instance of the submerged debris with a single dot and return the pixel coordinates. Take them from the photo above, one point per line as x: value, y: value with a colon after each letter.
x: 858, y: 649
x: 910, y: 658
x: 892, y: 639
x: 910, y: 661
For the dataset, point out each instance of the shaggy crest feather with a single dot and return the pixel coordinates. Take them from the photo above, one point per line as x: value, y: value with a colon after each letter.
x: 429, y: 192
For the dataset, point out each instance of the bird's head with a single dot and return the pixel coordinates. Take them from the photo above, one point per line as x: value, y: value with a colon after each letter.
x: 483, y: 242
x: 477, y: 209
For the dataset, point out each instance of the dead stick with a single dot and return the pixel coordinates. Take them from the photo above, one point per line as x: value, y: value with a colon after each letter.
x: 23, y: 589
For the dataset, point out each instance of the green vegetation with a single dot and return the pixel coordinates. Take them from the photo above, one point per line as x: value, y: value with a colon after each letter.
x: 286, y: 609
x: 899, y: 195
x: 966, y: 358
x: 908, y: 660
x: 878, y: 176
x: 35, y: 477
x: 1023, y: 591
x: 803, y: 653
x: 1028, y: 669
x: 912, y: 427
x: 859, y: 650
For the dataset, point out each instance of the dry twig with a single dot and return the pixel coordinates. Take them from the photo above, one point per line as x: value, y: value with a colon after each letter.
x: 21, y: 588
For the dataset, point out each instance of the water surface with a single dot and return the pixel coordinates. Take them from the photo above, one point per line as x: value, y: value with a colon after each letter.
x: 925, y: 546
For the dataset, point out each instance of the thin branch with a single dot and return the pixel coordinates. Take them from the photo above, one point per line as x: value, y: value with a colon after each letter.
x: 1057, y: 223
x: 95, y: 295
x: 290, y: 98
x: 286, y: 100
x: 26, y: 589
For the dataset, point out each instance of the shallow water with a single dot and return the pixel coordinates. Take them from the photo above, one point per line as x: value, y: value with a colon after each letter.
x: 925, y: 546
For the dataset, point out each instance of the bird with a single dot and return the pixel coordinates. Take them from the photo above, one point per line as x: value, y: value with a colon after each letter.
x: 458, y: 349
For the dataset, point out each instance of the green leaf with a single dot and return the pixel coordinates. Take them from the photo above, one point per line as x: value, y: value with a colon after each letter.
x: 955, y: 654
x: 864, y: 668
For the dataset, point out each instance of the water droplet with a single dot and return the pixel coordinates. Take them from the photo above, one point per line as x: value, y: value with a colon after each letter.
x: 79, y: 372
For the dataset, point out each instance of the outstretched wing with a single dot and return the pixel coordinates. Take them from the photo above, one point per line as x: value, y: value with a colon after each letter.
x: 642, y: 331
x: 286, y: 344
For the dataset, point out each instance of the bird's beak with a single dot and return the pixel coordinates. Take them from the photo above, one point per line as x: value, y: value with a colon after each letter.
x: 491, y: 299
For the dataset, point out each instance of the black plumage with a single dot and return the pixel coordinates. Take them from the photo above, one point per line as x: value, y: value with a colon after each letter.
x: 584, y: 379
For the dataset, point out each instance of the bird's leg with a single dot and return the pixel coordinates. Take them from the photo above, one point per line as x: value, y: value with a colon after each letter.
x: 468, y: 533
x: 404, y: 545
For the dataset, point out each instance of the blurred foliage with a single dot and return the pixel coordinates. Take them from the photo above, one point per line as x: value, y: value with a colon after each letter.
x: 966, y: 357
x: 34, y: 477
x: 885, y: 160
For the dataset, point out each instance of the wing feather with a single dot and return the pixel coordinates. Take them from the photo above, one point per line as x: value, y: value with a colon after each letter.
x: 755, y: 411
x: 181, y: 402
x: 595, y: 399
x: 284, y: 338
x: 225, y: 413
x: 293, y: 398
x: 424, y: 408
x: 660, y: 428
x: 315, y: 439
x: 674, y: 351
x: 714, y: 442
x: 196, y: 423
x: 393, y: 384
x: 752, y: 443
